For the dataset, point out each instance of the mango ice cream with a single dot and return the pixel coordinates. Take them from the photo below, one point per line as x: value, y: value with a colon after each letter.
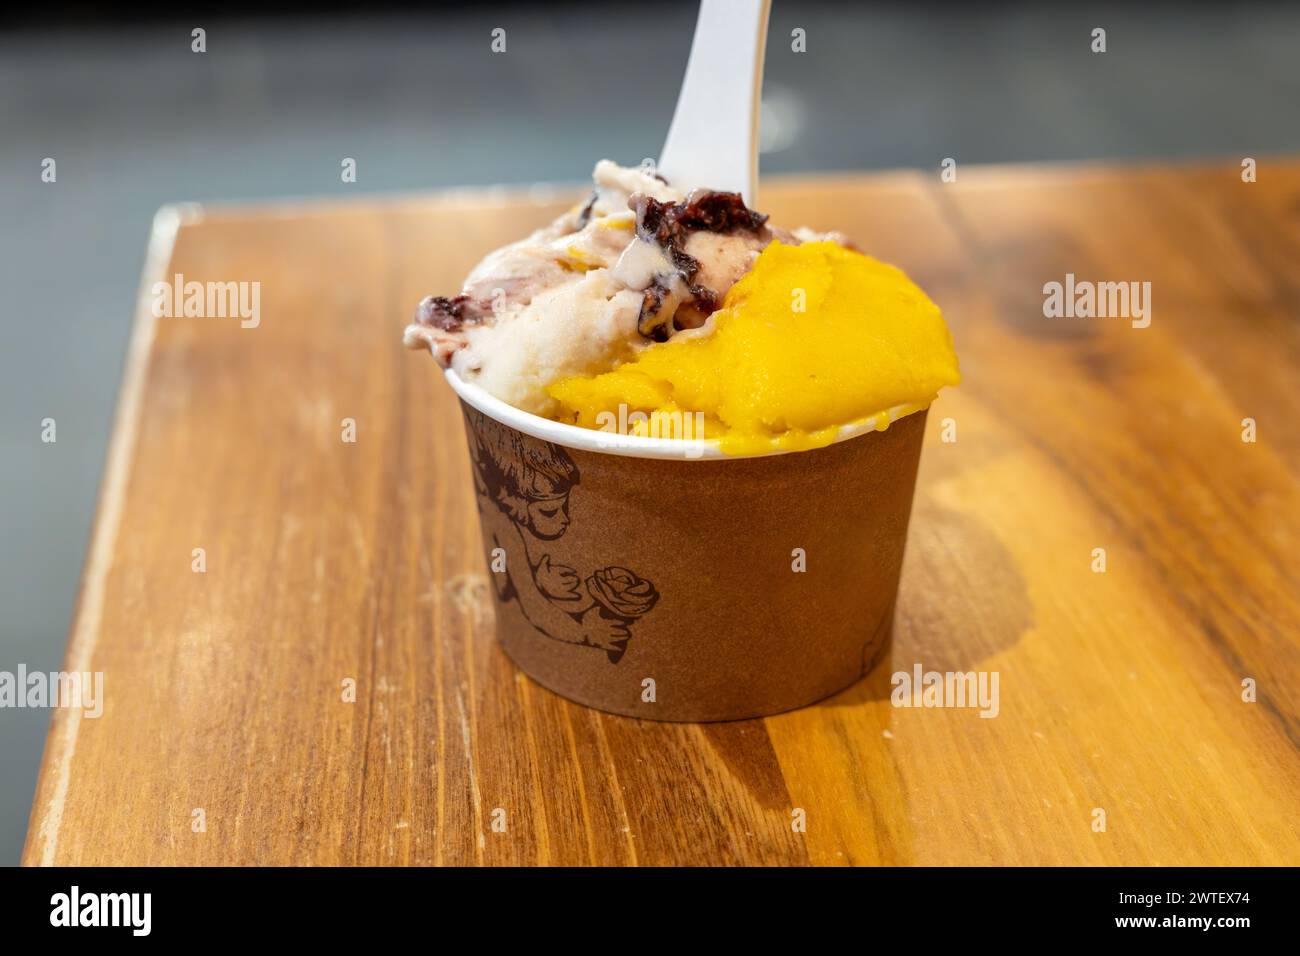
x: 812, y: 338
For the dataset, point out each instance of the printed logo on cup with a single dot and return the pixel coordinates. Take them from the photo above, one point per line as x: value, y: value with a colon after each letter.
x: 524, y: 485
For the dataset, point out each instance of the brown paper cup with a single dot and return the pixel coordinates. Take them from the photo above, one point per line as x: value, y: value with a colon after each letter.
x: 691, y: 590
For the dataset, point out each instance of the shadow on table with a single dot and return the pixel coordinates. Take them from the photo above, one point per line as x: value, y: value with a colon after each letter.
x: 962, y: 601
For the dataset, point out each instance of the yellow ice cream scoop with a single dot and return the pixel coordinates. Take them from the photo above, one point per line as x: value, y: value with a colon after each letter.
x: 813, y: 338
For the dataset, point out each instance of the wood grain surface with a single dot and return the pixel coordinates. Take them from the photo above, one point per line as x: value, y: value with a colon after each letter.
x: 328, y: 561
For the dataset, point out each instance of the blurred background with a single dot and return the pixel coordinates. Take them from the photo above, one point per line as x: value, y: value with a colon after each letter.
x: 135, y: 119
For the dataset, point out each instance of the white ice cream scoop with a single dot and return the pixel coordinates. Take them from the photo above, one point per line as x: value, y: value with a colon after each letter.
x: 713, y: 139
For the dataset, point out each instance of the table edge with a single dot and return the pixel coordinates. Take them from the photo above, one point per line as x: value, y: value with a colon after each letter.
x: 41, y: 844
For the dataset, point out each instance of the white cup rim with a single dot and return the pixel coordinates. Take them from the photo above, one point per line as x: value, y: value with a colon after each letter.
x: 633, y: 446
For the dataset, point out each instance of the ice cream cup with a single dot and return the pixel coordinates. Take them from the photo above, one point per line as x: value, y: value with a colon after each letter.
x: 666, y: 580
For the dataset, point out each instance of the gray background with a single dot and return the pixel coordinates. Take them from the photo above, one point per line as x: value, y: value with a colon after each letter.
x: 135, y: 120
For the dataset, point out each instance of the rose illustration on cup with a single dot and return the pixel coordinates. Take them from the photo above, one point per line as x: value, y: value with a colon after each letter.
x: 523, y: 488
x: 621, y: 595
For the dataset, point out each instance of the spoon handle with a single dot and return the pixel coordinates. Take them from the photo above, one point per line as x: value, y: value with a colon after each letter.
x: 713, y: 139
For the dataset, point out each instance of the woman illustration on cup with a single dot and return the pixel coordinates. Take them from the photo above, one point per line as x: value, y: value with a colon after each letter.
x: 523, y: 487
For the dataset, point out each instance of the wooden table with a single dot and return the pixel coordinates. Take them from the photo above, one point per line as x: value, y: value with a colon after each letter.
x: 328, y: 560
